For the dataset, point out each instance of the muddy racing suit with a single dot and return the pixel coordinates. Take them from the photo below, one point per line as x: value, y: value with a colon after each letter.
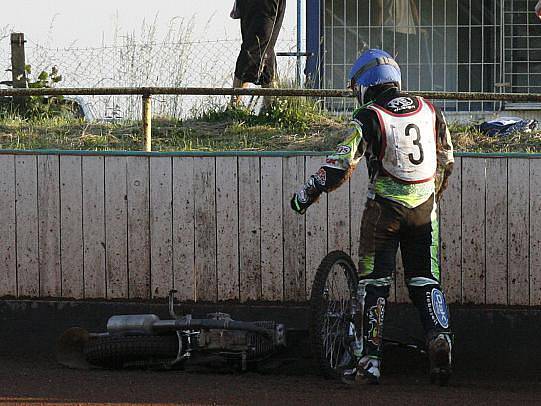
x: 409, y: 157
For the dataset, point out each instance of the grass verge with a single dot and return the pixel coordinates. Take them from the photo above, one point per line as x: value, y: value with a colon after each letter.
x: 292, y: 124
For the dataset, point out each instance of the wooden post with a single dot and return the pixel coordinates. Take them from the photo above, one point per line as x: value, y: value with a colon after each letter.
x: 18, y: 66
x: 147, y: 121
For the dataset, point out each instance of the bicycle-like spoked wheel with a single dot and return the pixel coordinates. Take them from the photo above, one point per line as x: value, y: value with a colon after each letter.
x: 332, y: 309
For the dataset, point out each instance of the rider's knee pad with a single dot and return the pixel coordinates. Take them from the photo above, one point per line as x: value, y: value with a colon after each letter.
x: 374, y: 288
x: 430, y: 301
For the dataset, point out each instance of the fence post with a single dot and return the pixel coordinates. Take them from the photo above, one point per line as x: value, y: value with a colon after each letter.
x: 18, y: 65
x: 147, y: 121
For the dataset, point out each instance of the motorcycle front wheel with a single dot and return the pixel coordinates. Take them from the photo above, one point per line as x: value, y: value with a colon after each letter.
x: 333, y: 291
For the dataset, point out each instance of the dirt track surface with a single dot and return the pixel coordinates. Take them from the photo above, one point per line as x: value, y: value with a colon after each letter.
x: 44, y: 382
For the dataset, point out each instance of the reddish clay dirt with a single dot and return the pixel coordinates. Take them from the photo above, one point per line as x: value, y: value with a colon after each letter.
x: 26, y: 381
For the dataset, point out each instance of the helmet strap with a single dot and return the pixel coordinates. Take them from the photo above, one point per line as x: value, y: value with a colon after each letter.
x: 369, y: 102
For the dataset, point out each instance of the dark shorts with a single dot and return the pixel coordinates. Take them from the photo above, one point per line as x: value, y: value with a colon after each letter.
x: 260, y: 21
x: 386, y: 225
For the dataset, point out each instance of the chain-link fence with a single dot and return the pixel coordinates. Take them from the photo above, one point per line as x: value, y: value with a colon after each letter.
x: 5, y: 58
x: 441, y: 45
x: 180, y: 64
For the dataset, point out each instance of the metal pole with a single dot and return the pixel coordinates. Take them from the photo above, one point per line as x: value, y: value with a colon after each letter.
x: 147, y: 121
x: 299, y: 43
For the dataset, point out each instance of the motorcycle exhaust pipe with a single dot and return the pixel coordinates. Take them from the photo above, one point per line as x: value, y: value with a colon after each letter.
x: 148, y: 324
x: 132, y: 324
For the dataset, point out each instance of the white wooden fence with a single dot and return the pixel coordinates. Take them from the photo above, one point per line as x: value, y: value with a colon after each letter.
x: 219, y: 228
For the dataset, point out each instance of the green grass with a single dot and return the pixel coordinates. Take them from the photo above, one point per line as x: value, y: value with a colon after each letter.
x: 468, y: 139
x: 293, y: 124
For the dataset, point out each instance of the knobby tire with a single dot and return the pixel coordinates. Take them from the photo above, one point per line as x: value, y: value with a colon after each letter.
x: 318, y: 306
x: 114, y: 352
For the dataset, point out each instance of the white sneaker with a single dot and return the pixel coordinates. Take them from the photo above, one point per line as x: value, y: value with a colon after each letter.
x: 368, y: 370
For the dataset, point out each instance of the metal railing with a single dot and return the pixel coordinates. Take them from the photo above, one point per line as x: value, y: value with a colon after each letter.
x: 147, y: 92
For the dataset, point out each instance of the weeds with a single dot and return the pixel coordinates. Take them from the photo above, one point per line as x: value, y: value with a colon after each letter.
x: 295, y: 125
x: 472, y: 140
x: 295, y: 114
x: 148, y: 56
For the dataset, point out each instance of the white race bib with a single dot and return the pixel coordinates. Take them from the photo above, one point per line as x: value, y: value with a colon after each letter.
x: 408, y: 149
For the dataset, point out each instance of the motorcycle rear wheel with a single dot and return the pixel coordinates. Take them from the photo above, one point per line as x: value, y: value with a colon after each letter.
x: 115, y: 352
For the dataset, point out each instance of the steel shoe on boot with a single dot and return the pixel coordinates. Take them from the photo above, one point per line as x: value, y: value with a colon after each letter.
x: 368, y: 371
x: 440, y: 355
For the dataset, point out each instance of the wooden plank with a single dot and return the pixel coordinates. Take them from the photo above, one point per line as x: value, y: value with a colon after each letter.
x: 94, y: 226
x: 161, y: 226
x: 338, y: 231
x: 338, y: 219
x: 205, y: 229
x: 392, y: 289
x: 294, y: 232
x: 450, y: 211
x: 138, y: 227
x: 272, y: 248
x: 50, y: 274
x: 184, y: 228
x: 18, y: 66
x: 249, y: 229
x: 116, y: 220
x: 8, y: 253
x: 496, y: 231
x: 316, y: 227
x: 473, y: 230
x: 401, y: 293
x: 71, y: 210
x: 357, y: 195
x: 26, y: 189
x: 535, y: 232
x: 518, y: 231
x: 227, y: 227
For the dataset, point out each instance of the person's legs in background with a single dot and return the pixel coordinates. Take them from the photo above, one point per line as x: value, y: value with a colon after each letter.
x: 261, y: 22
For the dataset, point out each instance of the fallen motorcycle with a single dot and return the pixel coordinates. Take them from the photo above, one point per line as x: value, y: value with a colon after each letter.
x: 144, y: 340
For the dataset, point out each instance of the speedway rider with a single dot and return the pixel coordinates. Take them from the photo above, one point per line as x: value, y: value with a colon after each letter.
x: 409, y: 156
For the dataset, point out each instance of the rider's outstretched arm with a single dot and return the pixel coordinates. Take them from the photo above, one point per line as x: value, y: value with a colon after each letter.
x: 337, y: 169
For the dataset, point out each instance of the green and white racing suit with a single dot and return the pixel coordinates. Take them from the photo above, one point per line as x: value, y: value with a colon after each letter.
x: 409, y: 157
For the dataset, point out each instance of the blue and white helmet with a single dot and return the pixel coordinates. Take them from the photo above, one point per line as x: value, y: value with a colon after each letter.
x: 374, y: 67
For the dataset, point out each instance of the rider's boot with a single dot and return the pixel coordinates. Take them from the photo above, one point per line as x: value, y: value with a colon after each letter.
x: 434, y: 313
x: 440, y: 355
x: 372, y: 295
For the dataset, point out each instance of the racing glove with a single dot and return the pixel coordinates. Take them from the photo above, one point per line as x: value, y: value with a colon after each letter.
x: 304, y: 198
x: 442, y: 180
